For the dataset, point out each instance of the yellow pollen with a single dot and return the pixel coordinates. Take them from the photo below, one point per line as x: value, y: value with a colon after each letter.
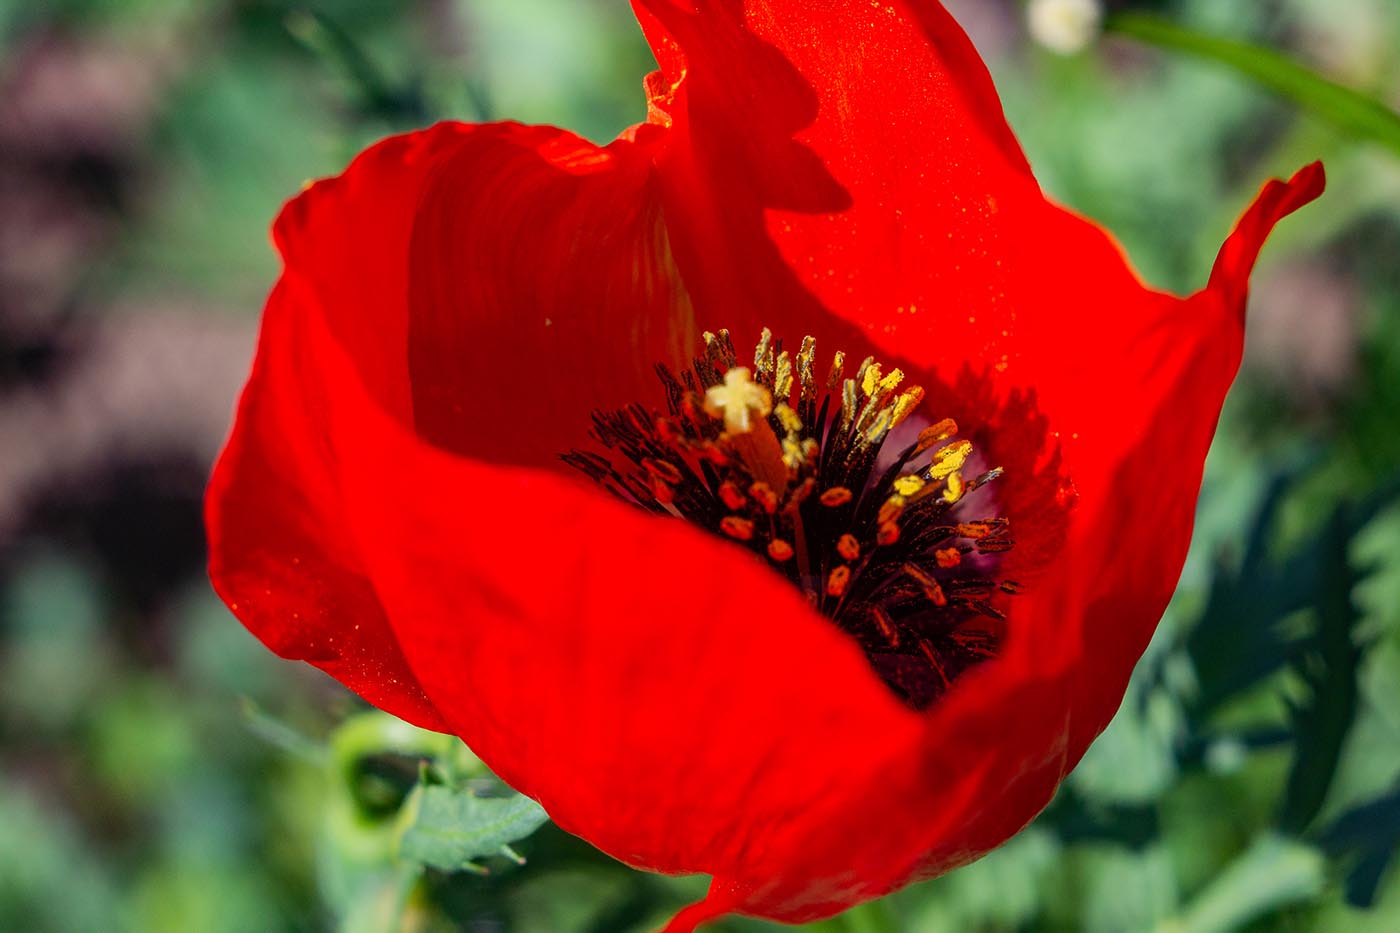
x: 869, y: 377
x: 908, y: 484
x: 838, y: 367
x: 906, y: 403
x: 955, y: 487
x: 948, y: 459
x: 790, y: 422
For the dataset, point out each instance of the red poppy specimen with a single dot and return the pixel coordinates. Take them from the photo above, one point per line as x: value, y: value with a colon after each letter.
x: 784, y: 491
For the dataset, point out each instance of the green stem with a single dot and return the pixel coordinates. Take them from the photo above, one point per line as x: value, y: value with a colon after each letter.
x: 1346, y: 109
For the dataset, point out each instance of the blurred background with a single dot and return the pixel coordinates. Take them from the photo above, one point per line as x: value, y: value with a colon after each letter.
x: 160, y: 771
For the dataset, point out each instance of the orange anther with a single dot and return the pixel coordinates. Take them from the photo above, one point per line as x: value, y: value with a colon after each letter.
x: 764, y: 495
x: 836, y: 496
x: 890, y: 510
x: 848, y: 547
x: 738, y: 528
x: 948, y: 557
x: 837, y: 580
x: 732, y: 496
x: 888, y: 533
x: 662, y: 470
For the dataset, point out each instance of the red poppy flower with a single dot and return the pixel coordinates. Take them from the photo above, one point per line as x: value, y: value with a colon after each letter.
x: 455, y: 307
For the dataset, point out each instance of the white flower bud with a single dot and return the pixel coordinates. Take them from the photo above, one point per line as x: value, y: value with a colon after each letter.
x: 1064, y: 26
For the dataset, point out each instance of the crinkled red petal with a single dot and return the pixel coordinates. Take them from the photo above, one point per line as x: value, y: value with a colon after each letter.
x: 845, y: 169
x: 373, y: 255
x: 456, y: 303
x: 662, y: 694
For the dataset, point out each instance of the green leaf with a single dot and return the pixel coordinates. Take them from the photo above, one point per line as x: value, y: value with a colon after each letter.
x: 448, y: 829
x: 1366, y: 840
x: 1273, y: 873
x: 1329, y: 669
x: 1348, y: 110
x: 1237, y: 642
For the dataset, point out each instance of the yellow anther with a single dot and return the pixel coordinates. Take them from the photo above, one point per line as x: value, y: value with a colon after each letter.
x: 908, y: 484
x: 787, y: 417
x: 949, y: 459
x: 782, y: 380
x: 881, y: 426
x: 780, y: 550
x: 955, y: 488
x: 805, y: 358
x: 948, y: 557
x: 908, y: 400
x: 838, y: 369
x: 889, y: 383
x: 869, y: 377
x: 793, y: 454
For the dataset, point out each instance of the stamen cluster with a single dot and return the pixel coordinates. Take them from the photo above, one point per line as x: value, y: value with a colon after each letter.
x: 759, y: 456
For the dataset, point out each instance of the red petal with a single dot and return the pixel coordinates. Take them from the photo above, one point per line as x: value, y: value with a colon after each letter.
x: 638, y: 677
x: 840, y: 171
x: 845, y: 170
x: 660, y: 692
x: 540, y: 288
x: 359, y: 249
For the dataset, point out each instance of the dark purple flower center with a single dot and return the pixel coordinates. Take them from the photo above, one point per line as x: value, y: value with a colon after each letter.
x: 772, y: 461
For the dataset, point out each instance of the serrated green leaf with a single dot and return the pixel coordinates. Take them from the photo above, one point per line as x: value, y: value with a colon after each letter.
x: 447, y: 829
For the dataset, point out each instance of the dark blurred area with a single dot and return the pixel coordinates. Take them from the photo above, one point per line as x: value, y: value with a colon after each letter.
x: 1252, y: 780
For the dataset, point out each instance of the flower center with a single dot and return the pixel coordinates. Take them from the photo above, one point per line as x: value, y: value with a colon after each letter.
x: 880, y: 545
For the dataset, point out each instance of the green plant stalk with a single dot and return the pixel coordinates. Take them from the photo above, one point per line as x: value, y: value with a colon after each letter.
x: 1348, y: 110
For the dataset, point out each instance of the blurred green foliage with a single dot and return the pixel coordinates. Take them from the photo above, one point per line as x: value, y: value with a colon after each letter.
x: 1251, y: 780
